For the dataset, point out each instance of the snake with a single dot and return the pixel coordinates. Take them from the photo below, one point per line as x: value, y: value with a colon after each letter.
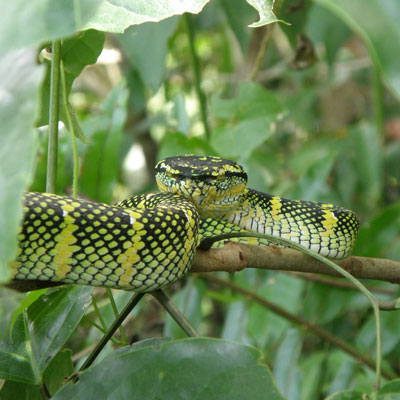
x: 148, y: 241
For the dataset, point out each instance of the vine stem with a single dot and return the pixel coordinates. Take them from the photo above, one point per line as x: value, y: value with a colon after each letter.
x: 72, y: 132
x: 111, y: 330
x: 196, y: 74
x: 178, y: 317
x: 207, y: 243
x: 51, y: 174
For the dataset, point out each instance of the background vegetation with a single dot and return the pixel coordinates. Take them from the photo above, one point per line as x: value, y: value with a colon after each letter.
x: 310, y: 110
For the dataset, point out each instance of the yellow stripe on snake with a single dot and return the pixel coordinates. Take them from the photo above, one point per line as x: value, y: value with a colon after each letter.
x: 149, y: 241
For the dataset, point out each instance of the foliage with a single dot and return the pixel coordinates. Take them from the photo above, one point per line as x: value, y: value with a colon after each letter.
x: 310, y: 109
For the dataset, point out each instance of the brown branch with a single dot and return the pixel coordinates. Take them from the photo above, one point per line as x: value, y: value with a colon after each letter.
x: 233, y: 257
x: 340, y: 283
x: 314, y: 329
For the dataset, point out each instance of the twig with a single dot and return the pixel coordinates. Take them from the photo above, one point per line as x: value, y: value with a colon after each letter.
x: 51, y: 176
x: 314, y: 329
x: 175, y: 313
x: 339, y: 283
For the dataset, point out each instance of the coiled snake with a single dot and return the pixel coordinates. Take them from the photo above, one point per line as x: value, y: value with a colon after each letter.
x: 148, y: 241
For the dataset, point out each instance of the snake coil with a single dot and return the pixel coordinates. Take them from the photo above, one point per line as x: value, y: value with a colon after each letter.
x: 148, y: 241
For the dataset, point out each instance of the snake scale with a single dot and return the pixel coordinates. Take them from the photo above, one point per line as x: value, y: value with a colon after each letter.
x: 148, y: 241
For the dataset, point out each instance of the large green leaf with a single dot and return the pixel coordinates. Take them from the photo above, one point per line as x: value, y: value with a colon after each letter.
x: 31, y: 23
x: 246, y: 120
x: 40, y: 332
x: 19, y: 81
x: 100, y: 162
x: 136, y: 42
x: 375, y: 22
x: 198, y: 369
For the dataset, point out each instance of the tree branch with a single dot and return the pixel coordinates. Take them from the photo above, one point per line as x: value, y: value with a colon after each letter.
x: 234, y: 257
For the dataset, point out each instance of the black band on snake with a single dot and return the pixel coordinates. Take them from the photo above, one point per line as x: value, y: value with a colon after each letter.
x: 148, y: 241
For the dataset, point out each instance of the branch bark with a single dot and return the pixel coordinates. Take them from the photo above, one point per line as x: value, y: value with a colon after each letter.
x: 233, y: 257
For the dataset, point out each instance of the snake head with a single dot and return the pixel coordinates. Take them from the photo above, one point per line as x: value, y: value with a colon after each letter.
x: 213, y: 184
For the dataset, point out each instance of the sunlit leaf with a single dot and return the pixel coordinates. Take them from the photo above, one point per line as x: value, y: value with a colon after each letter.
x: 266, y: 13
x: 19, y: 81
x: 35, y: 22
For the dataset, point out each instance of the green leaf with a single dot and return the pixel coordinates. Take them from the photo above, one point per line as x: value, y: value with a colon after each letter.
x: 264, y: 326
x: 60, y: 368
x: 377, y: 235
x: 265, y: 11
x: 40, y: 332
x: 17, y: 390
x: 312, y: 373
x: 346, y: 395
x: 57, y: 19
x: 249, y: 120
x: 197, y: 368
x: 286, y: 371
x: 389, y: 389
x: 366, y: 145
x: 326, y: 29
x: 374, y: 22
x: 29, y: 299
x: 81, y: 50
x: 234, y: 327
x: 136, y: 42
x: 77, y: 52
x: 176, y: 143
x: 251, y: 101
x: 239, y: 14
x: 100, y: 162
x: 241, y: 139
x: 19, y: 81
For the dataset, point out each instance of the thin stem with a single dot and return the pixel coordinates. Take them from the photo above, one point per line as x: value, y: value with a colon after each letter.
x: 51, y: 177
x: 115, y: 310
x: 196, y: 73
x: 175, y: 313
x: 103, y: 331
x: 72, y: 133
x: 314, y: 329
x: 207, y: 243
x: 261, y: 52
x: 98, y: 314
x: 111, y: 330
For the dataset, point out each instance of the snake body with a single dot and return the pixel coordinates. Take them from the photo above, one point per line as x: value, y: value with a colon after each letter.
x: 148, y: 241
